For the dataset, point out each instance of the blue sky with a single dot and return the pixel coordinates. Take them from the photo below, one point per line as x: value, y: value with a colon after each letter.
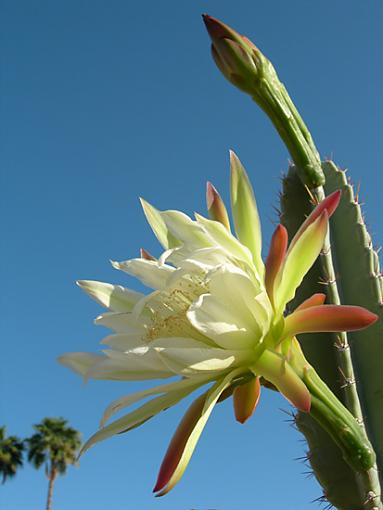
x: 103, y: 102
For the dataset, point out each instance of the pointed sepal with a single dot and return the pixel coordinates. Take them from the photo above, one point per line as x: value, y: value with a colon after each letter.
x: 187, y: 435
x: 328, y: 318
x: 245, y: 211
x: 299, y: 260
x: 245, y: 399
x: 275, y: 258
x: 329, y: 204
x: 216, y: 207
x: 276, y: 369
x: 315, y: 300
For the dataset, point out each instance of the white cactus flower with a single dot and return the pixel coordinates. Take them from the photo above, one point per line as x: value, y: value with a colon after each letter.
x: 216, y: 315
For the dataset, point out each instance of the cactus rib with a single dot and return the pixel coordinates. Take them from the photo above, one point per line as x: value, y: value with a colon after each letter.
x: 337, y: 479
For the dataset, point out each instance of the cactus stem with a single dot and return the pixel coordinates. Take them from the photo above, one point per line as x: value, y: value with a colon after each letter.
x: 368, y: 481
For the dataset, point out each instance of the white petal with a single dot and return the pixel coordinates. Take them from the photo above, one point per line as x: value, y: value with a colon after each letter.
x: 138, y: 416
x: 140, y: 358
x: 242, y: 294
x: 222, y: 237
x: 128, y: 400
x: 205, y: 259
x: 123, y: 322
x: 116, y: 370
x: 80, y: 362
x: 215, y: 320
x: 114, y: 297
x: 159, y: 228
x: 197, y: 361
x: 185, y: 229
x: 149, y: 272
x: 230, y: 315
x: 124, y: 341
x: 188, y: 356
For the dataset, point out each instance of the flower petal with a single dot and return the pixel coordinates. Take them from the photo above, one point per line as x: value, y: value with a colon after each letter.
x: 123, y: 322
x: 124, y: 341
x: 138, y: 364
x: 275, y: 258
x: 235, y: 314
x: 114, y: 297
x: 186, y: 356
x: 189, y: 233
x: 221, y: 237
x: 80, y: 362
x: 229, y: 329
x: 128, y: 400
x: 299, y: 260
x: 275, y: 369
x: 159, y: 228
x: 204, y: 259
x: 328, y: 318
x: 114, y: 370
x: 138, y: 416
x: 186, y: 437
x: 245, y: 212
x: 236, y: 288
x: 149, y: 272
x: 141, y: 359
x: 245, y: 399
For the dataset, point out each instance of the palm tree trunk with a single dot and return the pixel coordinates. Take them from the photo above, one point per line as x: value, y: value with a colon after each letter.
x: 52, y: 478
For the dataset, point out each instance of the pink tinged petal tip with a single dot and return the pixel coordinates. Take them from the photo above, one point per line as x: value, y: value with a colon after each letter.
x: 177, y: 445
x: 329, y: 204
x: 216, y: 207
x: 146, y: 255
x: 328, y: 318
x: 245, y: 399
x: 314, y: 300
x: 275, y: 258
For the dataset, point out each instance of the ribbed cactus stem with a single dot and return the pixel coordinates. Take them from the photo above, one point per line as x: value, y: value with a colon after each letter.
x: 368, y: 480
x: 342, y: 346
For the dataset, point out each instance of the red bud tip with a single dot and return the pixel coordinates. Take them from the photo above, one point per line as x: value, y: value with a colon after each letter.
x: 211, y: 193
x: 216, y: 29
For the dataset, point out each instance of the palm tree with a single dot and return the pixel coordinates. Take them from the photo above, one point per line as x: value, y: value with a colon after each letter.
x: 11, y: 454
x: 54, y: 445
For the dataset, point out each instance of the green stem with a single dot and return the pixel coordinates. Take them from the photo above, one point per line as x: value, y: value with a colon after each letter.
x: 339, y: 423
x: 271, y: 95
